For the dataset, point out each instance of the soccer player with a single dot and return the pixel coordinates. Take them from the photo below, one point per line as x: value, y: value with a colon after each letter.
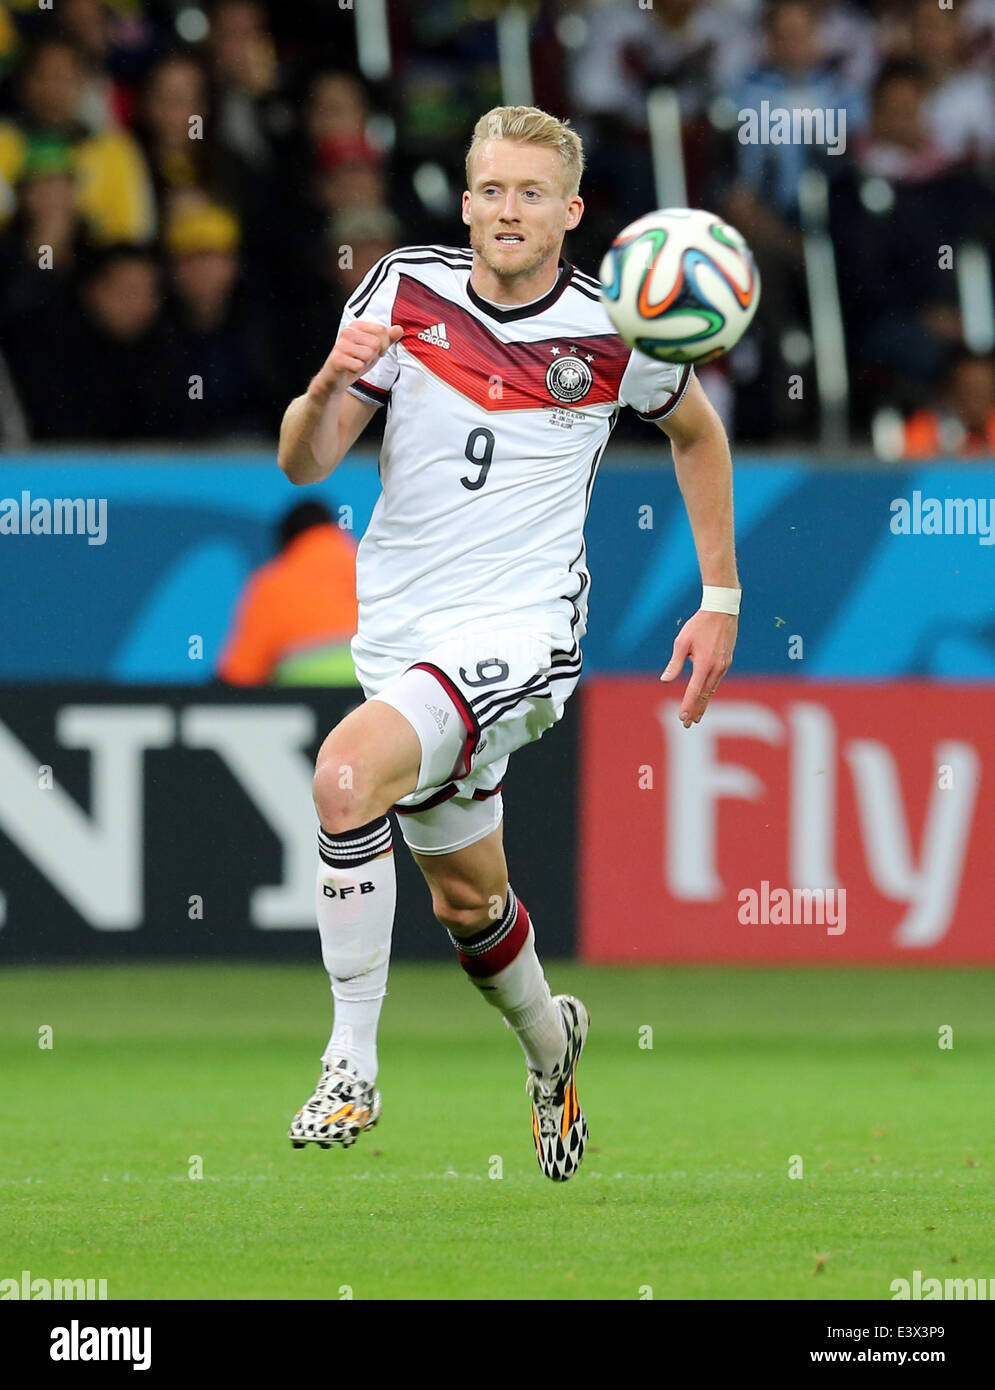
x: 503, y: 377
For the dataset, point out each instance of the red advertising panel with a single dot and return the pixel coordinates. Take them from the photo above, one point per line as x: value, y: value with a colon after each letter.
x: 796, y: 822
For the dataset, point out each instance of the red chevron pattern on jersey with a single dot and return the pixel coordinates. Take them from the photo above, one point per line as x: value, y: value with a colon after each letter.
x: 475, y: 356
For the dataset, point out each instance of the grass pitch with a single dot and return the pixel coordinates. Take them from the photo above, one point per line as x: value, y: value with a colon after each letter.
x: 158, y: 1072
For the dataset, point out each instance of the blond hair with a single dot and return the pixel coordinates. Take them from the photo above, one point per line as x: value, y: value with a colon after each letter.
x: 530, y: 126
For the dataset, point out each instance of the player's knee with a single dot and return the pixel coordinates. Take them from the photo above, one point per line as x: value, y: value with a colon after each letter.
x: 462, y: 907
x: 346, y: 791
x: 367, y: 763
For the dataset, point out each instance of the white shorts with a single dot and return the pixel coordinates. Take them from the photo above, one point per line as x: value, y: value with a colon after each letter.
x: 472, y: 700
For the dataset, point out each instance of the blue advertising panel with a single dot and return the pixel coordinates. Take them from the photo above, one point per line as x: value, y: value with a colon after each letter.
x: 866, y: 573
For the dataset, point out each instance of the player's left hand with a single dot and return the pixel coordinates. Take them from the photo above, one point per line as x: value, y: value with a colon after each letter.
x: 708, y: 639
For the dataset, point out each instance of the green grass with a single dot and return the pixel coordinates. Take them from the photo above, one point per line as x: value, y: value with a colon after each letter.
x: 685, y: 1186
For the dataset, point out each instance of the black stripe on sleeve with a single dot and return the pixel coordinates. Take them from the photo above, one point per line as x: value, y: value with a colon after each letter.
x: 366, y: 392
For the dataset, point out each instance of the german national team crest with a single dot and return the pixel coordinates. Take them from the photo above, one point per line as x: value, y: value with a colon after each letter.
x: 569, y: 379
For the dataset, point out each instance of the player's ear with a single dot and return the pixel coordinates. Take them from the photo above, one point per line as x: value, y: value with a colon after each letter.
x: 574, y: 213
x: 466, y: 207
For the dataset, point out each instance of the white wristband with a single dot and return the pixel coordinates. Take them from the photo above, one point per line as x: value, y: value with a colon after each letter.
x: 717, y: 600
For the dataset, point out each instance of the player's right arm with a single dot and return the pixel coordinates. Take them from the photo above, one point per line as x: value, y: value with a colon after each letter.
x: 320, y: 427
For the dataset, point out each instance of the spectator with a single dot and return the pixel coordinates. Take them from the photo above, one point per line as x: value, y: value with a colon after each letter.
x: 242, y: 61
x: 178, y: 135
x: 960, y: 102
x: 98, y: 371
x: 846, y: 42
x: 350, y: 175
x: 889, y: 218
x: 964, y: 423
x: 254, y: 213
x: 336, y: 108
x: 792, y: 79
x: 46, y: 239
x: 979, y: 29
x: 113, y: 180
x: 350, y: 247
x: 762, y: 201
x: 699, y: 47
x: 87, y: 25
x: 217, y: 333
x: 336, y: 164
x: 335, y: 167
x: 298, y: 613
x: 898, y: 144
x: 244, y: 69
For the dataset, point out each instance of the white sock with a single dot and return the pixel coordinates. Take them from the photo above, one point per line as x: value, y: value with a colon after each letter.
x: 501, y: 961
x: 355, y: 901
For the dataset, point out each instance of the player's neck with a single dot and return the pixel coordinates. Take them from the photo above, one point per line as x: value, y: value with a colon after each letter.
x: 497, y: 289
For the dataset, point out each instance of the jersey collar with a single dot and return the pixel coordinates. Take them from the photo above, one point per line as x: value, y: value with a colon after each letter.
x: 524, y: 311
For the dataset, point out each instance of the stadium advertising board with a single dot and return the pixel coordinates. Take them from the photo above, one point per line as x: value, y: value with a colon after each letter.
x: 173, y: 821
x: 182, y: 533
x: 797, y: 822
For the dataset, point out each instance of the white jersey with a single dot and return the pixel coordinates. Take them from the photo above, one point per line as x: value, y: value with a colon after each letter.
x: 497, y: 419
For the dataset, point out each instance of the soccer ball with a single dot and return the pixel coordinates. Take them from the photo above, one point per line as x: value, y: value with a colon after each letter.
x: 680, y: 285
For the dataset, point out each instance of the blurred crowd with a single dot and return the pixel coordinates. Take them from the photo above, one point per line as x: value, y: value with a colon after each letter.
x: 189, y: 192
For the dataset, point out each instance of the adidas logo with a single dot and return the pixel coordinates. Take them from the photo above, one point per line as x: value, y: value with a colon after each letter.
x: 441, y: 716
x: 436, y: 335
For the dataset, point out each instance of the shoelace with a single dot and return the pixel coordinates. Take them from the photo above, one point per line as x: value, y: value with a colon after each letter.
x: 544, y: 1098
x: 331, y: 1079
